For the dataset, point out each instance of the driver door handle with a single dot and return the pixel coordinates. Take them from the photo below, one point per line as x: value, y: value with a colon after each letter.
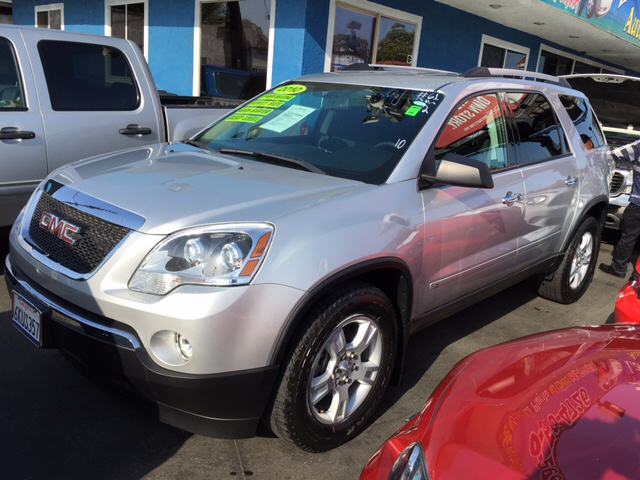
x: 14, y: 133
x: 571, y: 181
x: 511, y: 198
x: 135, y: 129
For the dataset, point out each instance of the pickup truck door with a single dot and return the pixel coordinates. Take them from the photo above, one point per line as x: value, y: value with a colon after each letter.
x: 23, y: 161
x: 551, y: 177
x: 471, y: 234
x: 96, y: 96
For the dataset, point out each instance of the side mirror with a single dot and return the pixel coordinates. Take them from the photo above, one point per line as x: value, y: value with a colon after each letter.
x: 461, y: 171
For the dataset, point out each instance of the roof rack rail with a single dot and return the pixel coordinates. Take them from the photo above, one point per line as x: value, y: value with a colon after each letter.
x: 387, y: 68
x: 478, y: 72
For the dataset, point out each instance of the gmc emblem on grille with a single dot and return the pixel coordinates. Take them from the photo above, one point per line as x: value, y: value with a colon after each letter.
x: 58, y: 227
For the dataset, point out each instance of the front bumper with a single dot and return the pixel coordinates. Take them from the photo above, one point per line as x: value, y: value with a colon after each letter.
x: 224, y: 405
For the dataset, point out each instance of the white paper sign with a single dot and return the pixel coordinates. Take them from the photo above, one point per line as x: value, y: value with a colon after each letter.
x: 288, y: 118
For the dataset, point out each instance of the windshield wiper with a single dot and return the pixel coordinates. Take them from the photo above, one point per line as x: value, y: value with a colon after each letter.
x: 276, y: 159
x: 193, y: 143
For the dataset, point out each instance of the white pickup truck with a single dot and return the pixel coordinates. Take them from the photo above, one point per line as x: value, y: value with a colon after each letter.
x: 66, y: 96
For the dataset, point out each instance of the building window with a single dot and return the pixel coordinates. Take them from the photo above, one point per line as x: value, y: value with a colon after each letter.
x: 127, y: 20
x: 234, y: 47
x: 495, y: 53
x: 50, y: 16
x: 560, y: 63
x: 6, y: 12
x: 361, y: 36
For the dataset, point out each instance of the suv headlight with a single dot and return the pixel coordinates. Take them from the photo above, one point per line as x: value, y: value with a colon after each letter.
x: 221, y: 255
x: 410, y: 465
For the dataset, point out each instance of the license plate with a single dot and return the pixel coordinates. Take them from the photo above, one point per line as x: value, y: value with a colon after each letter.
x: 27, y: 319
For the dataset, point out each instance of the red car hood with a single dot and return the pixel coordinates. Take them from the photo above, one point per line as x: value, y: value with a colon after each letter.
x: 563, y: 404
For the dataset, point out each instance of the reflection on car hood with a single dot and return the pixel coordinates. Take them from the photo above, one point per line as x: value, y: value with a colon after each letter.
x: 556, y: 405
x: 178, y: 186
x: 613, y: 97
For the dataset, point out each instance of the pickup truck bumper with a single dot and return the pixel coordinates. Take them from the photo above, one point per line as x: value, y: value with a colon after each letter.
x: 217, y: 405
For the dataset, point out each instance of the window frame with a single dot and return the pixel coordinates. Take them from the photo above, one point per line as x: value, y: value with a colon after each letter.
x: 376, y: 11
x: 108, y: 75
x: 107, y: 20
x: 23, y: 89
x: 506, y: 46
x: 516, y: 136
x: 197, y: 45
x: 49, y: 8
x: 574, y: 59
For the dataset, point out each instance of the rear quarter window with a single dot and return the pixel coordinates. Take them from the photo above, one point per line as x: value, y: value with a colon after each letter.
x: 88, y: 77
x: 584, y: 120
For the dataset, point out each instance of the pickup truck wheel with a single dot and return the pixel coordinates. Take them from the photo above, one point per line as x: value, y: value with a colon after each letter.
x: 573, y: 276
x: 337, y: 370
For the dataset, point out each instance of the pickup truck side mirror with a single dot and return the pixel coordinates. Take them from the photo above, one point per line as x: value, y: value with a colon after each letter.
x: 461, y: 171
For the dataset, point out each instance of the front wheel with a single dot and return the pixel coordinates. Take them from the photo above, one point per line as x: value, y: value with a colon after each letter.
x: 337, y: 370
x: 574, y: 274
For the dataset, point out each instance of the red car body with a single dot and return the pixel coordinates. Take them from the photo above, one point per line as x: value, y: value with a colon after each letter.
x: 559, y: 405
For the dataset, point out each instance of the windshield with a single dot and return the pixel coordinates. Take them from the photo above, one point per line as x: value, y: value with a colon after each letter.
x: 349, y: 131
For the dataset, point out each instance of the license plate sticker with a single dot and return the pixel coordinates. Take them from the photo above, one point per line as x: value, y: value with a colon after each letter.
x: 27, y: 319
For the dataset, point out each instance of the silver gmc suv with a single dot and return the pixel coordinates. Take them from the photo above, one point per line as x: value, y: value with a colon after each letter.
x: 274, y: 266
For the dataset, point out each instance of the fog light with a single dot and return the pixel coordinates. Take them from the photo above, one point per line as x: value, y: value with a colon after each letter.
x: 183, y: 346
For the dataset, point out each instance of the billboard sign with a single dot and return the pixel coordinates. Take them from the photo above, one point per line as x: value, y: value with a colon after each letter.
x: 619, y: 17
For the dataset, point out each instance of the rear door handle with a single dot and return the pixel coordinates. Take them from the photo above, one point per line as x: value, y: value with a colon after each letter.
x: 571, y: 181
x: 135, y: 129
x: 511, y: 198
x: 14, y: 133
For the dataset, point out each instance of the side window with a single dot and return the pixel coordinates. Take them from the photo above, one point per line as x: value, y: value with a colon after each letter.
x: 584, y: 120
x: 476, y: 130
x: 87, y: 77
x: 541, y: 137
x: 11, y: 91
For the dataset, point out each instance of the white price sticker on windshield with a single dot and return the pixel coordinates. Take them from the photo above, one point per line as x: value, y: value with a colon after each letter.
x: 288, y: 118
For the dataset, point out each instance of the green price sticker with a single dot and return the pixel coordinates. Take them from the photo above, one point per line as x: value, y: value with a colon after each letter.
x: 413, y: 111
x: 236, y: 117
x: 291, y: 89
x: 276, y: 97
x: 266, y: 103
x: 255, y: 111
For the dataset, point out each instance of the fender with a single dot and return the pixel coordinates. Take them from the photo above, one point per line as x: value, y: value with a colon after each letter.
x: 604, y: 199
x: 403, y: 302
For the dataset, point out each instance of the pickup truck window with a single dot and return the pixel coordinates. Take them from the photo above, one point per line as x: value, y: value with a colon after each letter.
x: 349, y: 131
x: 541, y: 137
x: 87, y: 77
x: 11, y: 92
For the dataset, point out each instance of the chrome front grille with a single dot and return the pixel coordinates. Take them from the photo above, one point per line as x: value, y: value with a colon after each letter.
x: 617, y: 183
x: 96, y: 239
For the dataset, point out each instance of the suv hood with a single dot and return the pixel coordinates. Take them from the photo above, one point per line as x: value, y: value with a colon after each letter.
x: 613, y: 97
x: 178, y: 186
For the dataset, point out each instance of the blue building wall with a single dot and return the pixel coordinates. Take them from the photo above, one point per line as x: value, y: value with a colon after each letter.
x: 450, y: 38
x: 171, y: 27
x: 80, y: 16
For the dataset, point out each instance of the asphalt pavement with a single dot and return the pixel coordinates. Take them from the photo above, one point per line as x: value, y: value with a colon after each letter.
x: 58, y: 422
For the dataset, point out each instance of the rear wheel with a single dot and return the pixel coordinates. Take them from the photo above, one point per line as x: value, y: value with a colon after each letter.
x: 573, y: 276
x: 337, y: 369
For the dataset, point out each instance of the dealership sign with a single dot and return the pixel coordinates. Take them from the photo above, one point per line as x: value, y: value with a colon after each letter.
x: 620, y: 17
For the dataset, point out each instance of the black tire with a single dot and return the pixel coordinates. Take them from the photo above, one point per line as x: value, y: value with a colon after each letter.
x: 557, y: 286
x: 294, y: 416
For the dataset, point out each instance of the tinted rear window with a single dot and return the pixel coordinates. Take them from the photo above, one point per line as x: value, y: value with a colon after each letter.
x: 87, y: 77
x: 584, y: 120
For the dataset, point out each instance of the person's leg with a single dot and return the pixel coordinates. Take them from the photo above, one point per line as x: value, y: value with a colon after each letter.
x: 630, y: 233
